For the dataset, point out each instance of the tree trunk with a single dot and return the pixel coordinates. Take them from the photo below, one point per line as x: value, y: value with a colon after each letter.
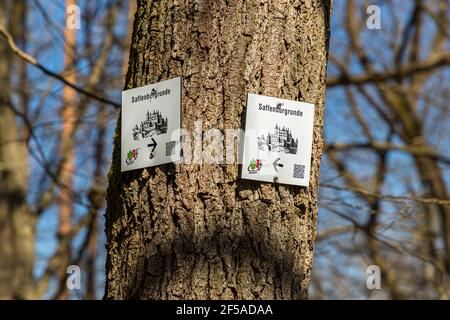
x: 196, y: 231
x: 68, y: 118
x: 17, y: 225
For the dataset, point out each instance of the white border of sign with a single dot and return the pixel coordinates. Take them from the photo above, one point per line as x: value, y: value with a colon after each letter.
x: 278, y: 140
x: 151, y: 125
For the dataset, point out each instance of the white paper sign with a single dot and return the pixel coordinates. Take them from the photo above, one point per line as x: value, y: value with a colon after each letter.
x: 278, y: 140
x: 151, y: 122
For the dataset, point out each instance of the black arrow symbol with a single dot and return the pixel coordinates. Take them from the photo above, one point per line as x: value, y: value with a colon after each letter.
x: 153, y: 144
x: 276, y: 164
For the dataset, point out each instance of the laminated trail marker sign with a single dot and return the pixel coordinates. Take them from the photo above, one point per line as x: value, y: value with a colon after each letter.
x: 278, y: 140
x: 151, y: 122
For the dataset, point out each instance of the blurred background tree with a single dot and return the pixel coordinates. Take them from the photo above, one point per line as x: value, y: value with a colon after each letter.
x: 58, y: 88
x: 384, y: 178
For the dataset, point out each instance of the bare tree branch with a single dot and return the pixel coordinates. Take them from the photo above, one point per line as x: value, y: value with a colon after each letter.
x: 432, y: 63
x: 31, y: 60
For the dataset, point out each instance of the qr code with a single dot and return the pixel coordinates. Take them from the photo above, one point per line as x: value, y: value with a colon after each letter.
x: 299, y: 171
x: 170, y: 148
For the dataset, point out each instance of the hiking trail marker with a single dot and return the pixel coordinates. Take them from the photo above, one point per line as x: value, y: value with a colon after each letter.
x: 278, y: 140
x: 150, y: 127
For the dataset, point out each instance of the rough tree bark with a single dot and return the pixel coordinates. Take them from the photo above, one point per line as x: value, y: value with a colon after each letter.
x: 197, y: 231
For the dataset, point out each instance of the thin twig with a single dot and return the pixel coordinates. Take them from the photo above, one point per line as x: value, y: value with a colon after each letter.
x: 386, y: 197
x: 31, y: 60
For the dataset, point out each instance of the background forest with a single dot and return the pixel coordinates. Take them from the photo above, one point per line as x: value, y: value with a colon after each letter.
x: 385, y: 173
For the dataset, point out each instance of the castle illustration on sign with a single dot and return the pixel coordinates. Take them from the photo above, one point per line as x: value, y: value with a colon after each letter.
x: 154, y: 123
x: 280, y: 140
